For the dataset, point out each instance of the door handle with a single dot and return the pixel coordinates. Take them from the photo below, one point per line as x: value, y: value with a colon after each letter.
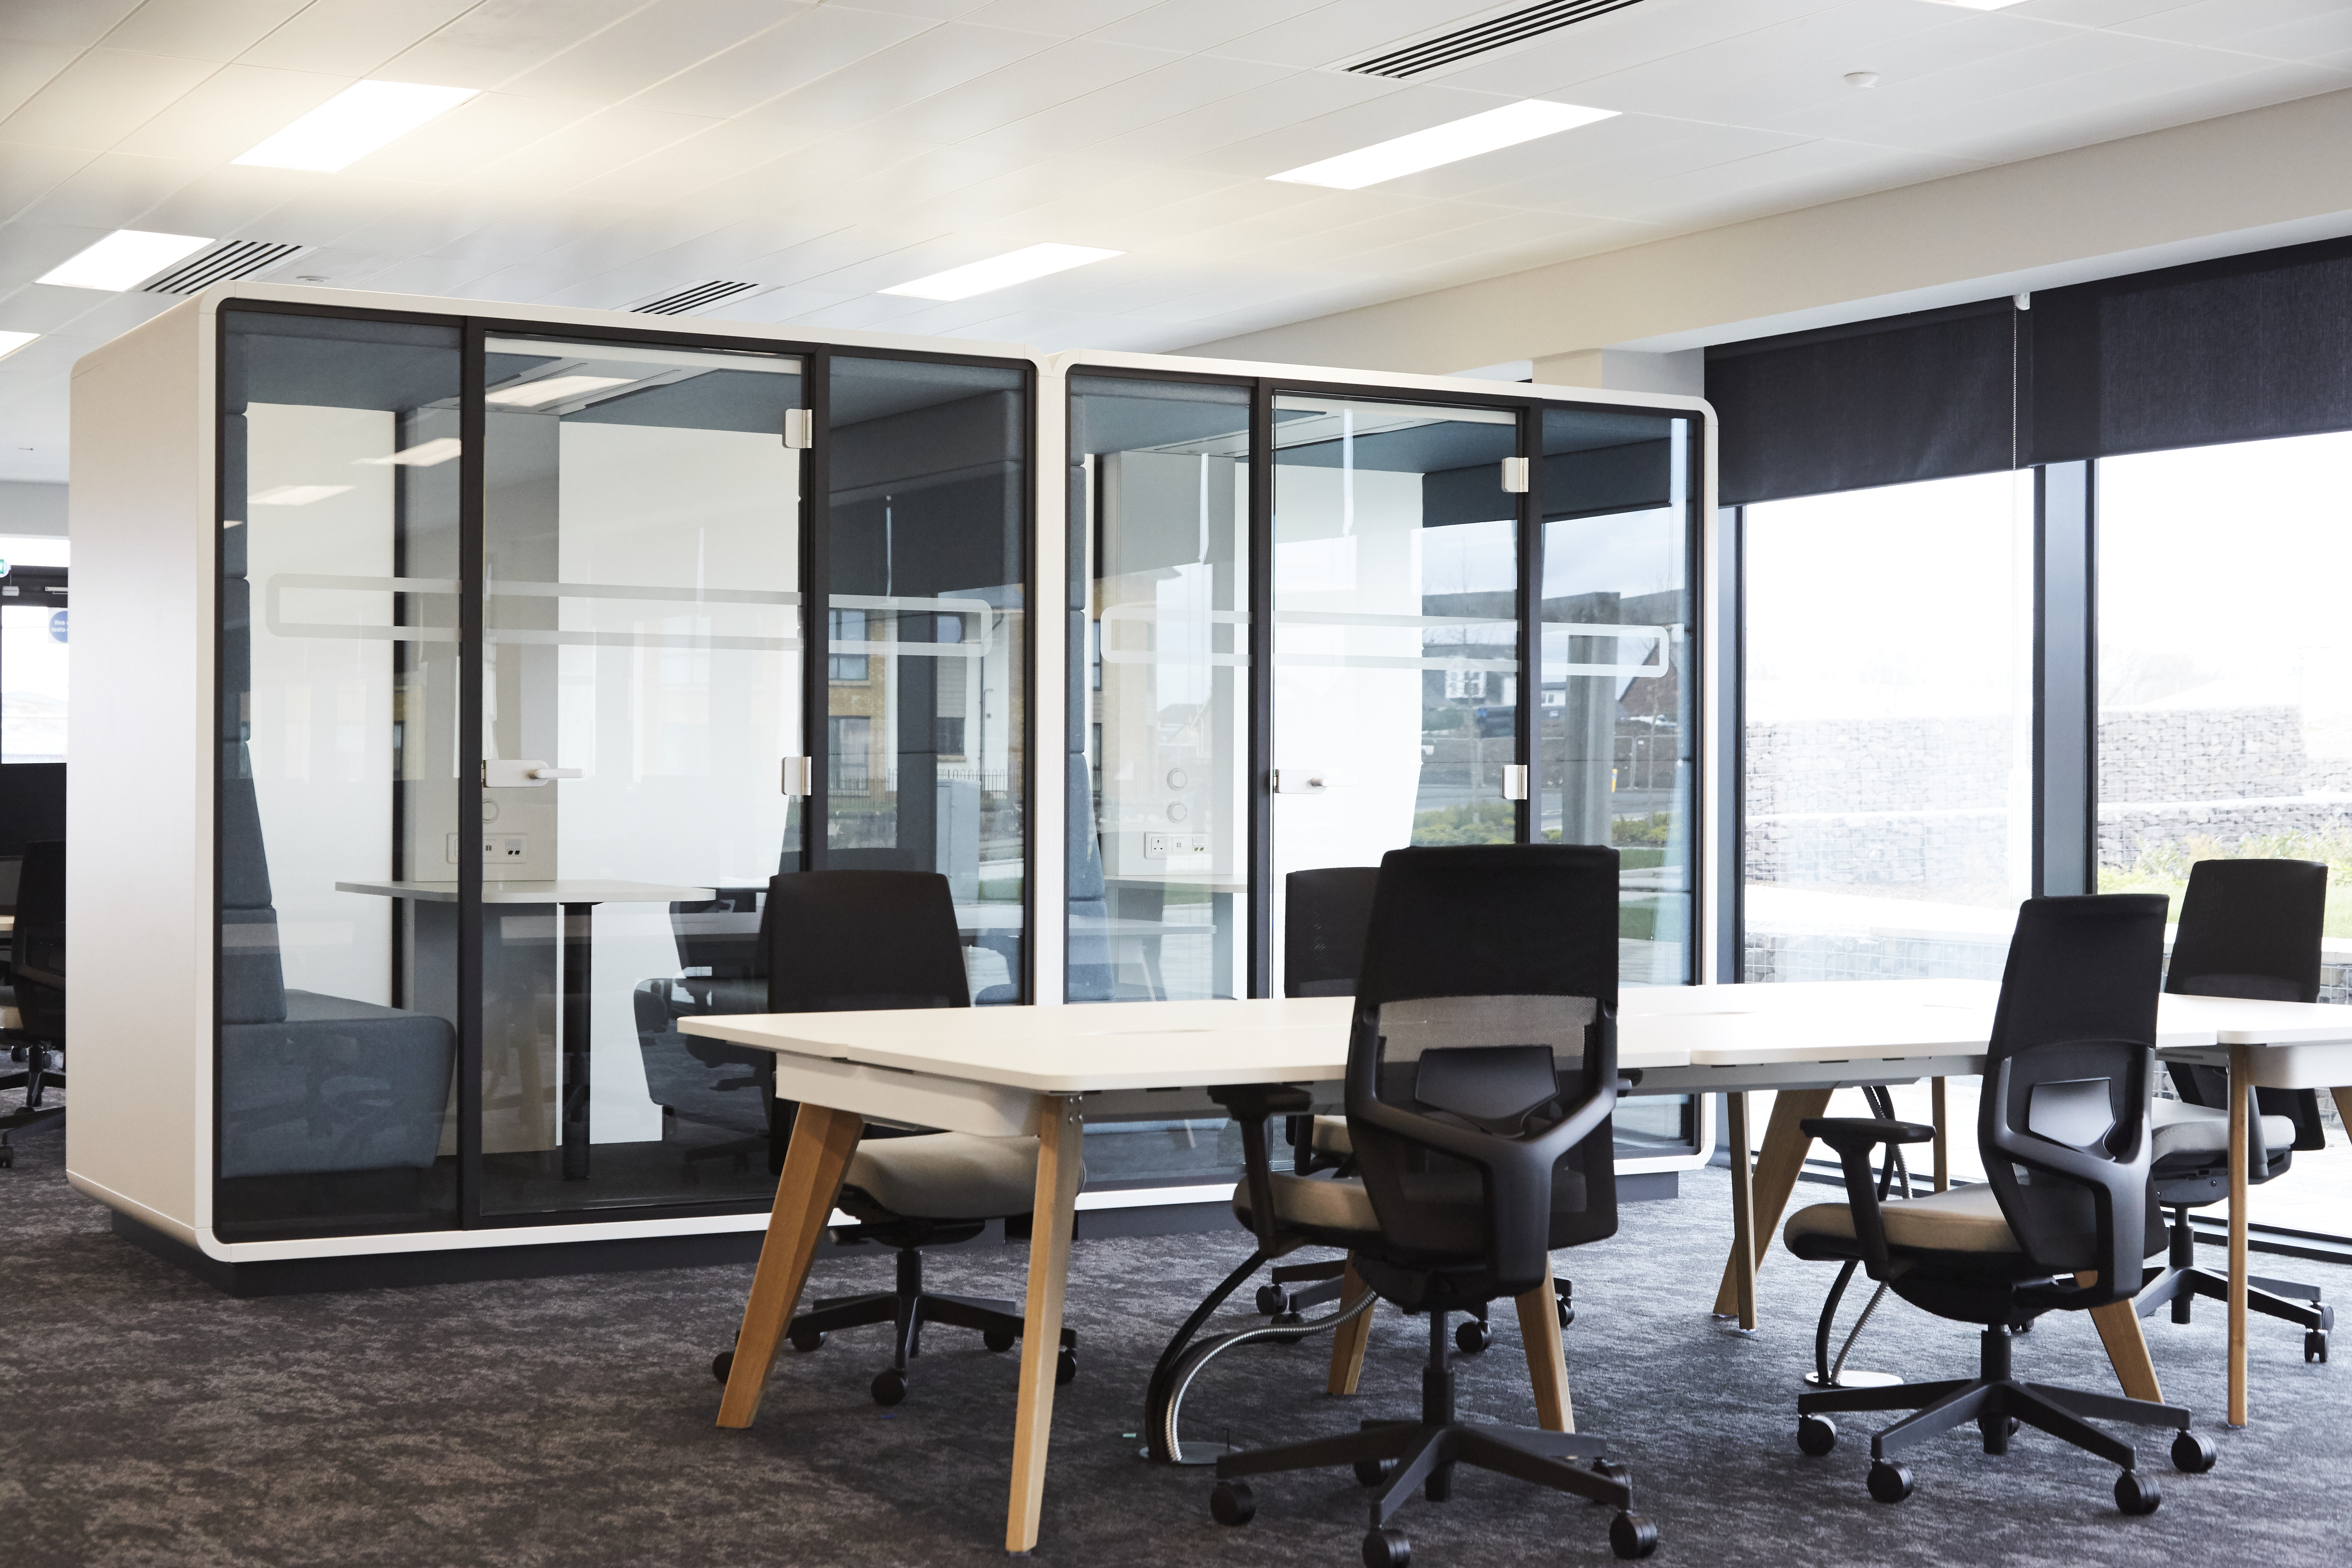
x: 505, y: 774
x: 1301, y: 781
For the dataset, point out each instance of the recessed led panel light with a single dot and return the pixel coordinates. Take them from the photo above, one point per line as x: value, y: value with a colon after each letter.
x: 295, y: 495
x: 424, y: 456
x: 11, y: 341
x: 554, y: 389
x: 354, y: 123
x: 1504, y: 127
x: 123, y: 259
x: 1002, y: 271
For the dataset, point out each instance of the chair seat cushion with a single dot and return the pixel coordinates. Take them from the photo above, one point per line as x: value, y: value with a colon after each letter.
x: 948, y: 1176
x: 1322, y: 1203
x: 1331, y: 1136
x: 1966, y: 1219
x: 2182, y: 1131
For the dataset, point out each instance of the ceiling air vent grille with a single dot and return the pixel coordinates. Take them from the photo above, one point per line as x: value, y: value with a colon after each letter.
x: 701, y: 296
x: 223, y: 263
x: 1463, y: 42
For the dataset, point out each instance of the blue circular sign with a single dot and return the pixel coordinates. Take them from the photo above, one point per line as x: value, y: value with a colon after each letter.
x: 58, y: 625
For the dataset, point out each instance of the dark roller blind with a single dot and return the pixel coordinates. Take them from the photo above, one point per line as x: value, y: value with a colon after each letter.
x: 2238, y: 349
x: 1924, y: 397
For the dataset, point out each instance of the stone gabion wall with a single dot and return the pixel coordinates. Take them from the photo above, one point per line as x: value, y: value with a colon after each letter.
x: 1897, y: 802
x: 1851, y: 955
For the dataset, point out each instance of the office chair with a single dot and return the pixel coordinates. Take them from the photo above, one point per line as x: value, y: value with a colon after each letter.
x: 722, y: 968
x: 2061, y: 1222
x: 39, y: 963
x: 842, y: 941
x: 1482, y: 1073
x: 2248, y: 927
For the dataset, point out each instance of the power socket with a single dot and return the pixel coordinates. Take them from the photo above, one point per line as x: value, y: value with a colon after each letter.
x: 507, y: 848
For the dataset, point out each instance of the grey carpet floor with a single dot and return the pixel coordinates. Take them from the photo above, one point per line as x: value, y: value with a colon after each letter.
x: 146, y: 1419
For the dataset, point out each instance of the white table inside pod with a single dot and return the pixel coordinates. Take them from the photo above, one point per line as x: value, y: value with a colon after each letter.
x: 575, y: 898
x: 1005, y: 1071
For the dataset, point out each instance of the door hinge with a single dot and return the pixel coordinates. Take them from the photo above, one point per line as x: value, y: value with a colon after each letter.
x: 797, y: 776
x: 799, y: 428
x: 1515, y: 476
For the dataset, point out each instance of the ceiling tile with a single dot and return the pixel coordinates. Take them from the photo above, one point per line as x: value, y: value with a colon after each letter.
x: 230, y: 112
x: 1204, y: 24
x: 1340, y: 31
x: 232, y: 202
x: 102, y: 97
x: 75, y: 23
x: 906, y: 73
x: 25, y: 68
x: 1288, y: 100
x: 806, y: 45
x: 353, y: 37
x: 493, y: 44
x: 666, y: 38
x: 477, y: 132
x: 201, y: 29
x: 1022, y: 87
x: 586, y: 148
x: 728, y: 148
x: 113, y: 191
x: 1622, y: 40
x: 1177, y: 88
x: 27, y: 174
x: 1397, y: 112
x: 2249, y: 24
x: 1063, y: 18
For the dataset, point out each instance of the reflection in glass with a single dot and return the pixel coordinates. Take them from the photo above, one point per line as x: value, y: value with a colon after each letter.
x: 1396, y: 672
x: 1614, y: 727
x: 1158, y: 742
x: 337, y: 721
x: 1888, y: 747
x: 642, y: 614
x: 928, y: 559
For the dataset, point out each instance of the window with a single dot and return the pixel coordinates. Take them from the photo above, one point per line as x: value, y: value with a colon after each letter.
x: 849, y: 743
x: 845, y: 625
x: 2225, y: 699
x: 1889, y: 755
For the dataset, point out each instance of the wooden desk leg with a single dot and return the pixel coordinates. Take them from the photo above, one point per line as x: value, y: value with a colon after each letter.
x: 822, y: 1141
x: 2118, y: 1326
x: 1943, y: 1140
x: 1742, y: 1268
x: 2241, y: 1063
x: 1350, y: 1338
x: 1059, y: 1167
x: 1547, y: 1359
x: 1778, y: 1165
x: 2344, y: 1106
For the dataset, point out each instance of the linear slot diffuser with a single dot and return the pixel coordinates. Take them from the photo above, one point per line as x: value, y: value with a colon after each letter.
x: 1463, y: 42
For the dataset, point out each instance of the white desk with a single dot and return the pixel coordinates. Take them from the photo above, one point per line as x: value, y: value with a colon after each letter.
x: 1005, y: 1071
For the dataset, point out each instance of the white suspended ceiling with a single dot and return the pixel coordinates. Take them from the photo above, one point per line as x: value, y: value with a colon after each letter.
x: 620, y: 150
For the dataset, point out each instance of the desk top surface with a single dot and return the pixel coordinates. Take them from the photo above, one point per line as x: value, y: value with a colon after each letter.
x: 1075, y: 1049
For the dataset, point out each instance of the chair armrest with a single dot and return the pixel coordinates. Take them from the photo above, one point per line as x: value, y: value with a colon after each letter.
x: 1853, y: 1137
x: 1863, y: 1132
x: 1250, y: 1105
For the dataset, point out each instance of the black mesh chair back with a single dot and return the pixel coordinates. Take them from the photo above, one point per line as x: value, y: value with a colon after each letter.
x: 721, y: 938
x: 2252, y: 928
x: 2063, y: 1125
x: 1324, y: 915
x: 842, y: 941
x: 1482, y: 1070
x: 39, y: 961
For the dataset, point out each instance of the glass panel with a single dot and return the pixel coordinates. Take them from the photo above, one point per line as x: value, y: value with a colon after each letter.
x: 1396, y: 633
x: 1615, y: 715
x: 643, y: 618
x: 33, y: 657
x: 928, y: 556
x: 1889, y: 651
x: 1159, y: 701
x: 338, y: 720
x: 2225, y: 703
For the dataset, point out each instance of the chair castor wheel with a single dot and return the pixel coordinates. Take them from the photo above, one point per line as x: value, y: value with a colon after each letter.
x: 889, y: 1385
x: 1471, y: 1336
x: 999, y: 1339
x: 1567, y: 1314
x: 2193, y: 1454
x: 2314, y: 1346
x: 1632, y: 1536
x: 1232, y: 1503
x: 2136, y: 1493
x: 1387, y: 1548
x: 1890, y: 1482
x: 1065, y: 1368
x: 722, y: 1365
x: 806, y: 1339
x: 1816, y: 1435
x: 1272, y: 1300
x: 1372, y: 1472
